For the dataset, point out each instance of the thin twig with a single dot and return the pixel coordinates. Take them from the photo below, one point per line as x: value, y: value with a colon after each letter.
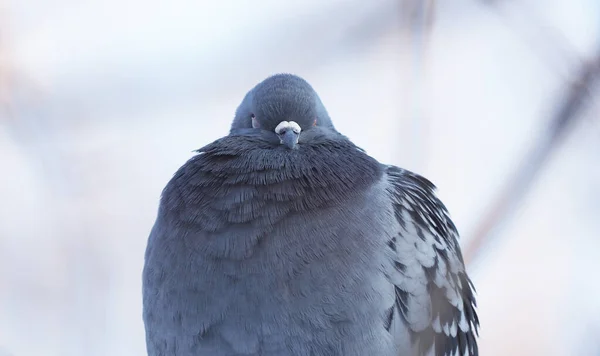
x: 559, y: 125
x: 546, y: 41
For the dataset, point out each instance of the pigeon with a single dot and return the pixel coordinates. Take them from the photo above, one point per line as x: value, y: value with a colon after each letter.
x: 285, y: 238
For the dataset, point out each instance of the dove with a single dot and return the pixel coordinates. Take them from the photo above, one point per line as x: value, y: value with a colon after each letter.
x: 285, y: 238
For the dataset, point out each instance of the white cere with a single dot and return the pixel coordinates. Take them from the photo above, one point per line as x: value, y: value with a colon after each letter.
x: 288, y: 125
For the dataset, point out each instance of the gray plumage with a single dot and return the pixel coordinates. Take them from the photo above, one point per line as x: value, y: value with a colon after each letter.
x: 299, y: 243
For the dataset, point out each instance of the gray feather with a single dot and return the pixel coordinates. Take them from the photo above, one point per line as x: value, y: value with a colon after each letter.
x: 434, y: 293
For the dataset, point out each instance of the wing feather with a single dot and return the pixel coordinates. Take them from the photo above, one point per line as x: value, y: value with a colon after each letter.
x: 434, y: 295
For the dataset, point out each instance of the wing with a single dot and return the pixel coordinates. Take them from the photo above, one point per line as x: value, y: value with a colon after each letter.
x: 434, y: 295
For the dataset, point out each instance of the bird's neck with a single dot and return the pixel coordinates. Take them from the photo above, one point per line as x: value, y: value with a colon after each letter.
x: 232, y: 187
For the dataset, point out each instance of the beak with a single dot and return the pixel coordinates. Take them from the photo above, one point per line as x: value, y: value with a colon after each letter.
x: 289, y: 138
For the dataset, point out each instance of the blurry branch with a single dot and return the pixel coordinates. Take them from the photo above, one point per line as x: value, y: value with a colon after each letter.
x: 13, y: 81
x: 5, y: 70
x: 554, y: 50
x: 33, y: 123
x: 549, y: 44
x: 417, y: 14
x: 417, y: 18
x: 517, y: 186
x: 178, y: 79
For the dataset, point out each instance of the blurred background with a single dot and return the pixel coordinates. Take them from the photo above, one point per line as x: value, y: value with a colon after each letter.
x: 102, y: 100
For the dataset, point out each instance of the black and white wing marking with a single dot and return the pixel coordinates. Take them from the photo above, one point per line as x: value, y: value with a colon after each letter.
x: 434, y: 295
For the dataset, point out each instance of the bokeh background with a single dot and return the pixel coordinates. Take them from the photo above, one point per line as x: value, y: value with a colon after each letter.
x: 102, y: 100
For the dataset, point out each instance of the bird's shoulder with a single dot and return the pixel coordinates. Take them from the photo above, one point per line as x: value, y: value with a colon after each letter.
x: 434, y: 295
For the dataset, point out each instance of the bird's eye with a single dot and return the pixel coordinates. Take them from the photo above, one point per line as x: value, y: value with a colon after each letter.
x: 255, y: 123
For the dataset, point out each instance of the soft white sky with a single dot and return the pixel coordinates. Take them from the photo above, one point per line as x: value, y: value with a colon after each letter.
x: 143, y: 83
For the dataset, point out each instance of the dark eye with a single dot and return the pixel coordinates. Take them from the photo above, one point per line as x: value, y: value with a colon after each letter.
x: 255, y: 123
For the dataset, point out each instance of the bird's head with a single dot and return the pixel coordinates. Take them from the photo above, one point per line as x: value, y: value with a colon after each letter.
x: 285, y: 108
